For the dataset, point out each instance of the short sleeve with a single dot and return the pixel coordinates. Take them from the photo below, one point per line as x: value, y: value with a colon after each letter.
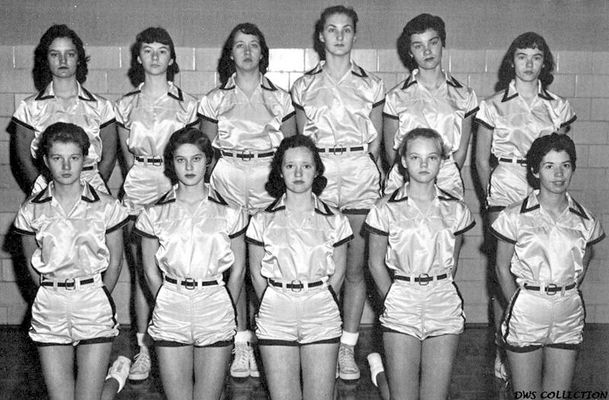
x: 116, y: 216
x: 143, y: 224
x: 208, y: 108
x: 486, y: 115
x: 255, y: 230
x: 288, y: 107
x: 238, y: 223
x: 343, y: 232
x: 296, y: 94
x: 23, y: 116
x: 596, y: 233
x: 122, y: 110
x: 379, y: 94
x: 107, y: 115
x: 464, y: 221
x: 376, y: 221
x: 390, y: 110
x: 472, y: 104
x: 23, y: 221
x: 505, y: 228
x: 566, y: 113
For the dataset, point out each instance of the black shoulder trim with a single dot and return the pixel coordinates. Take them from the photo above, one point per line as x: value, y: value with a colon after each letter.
x: 345, y: 240
x: 206, y: 118
x: 117, y: 226
x: 218, y: 199
x: 271, y: 208
x: 595, y: 241
x: 109, y: 122
x: 470, y: 112
x: 579, y: 210
x: 271, y: 87
x: 41, y: 96
x: 408, y: 82
x: 446, y: 196
x: 196, y: 122
x: 544, y: 94
x: 467, y: 228
x: 39, y: 199
x: 290, y: 115
x: 143, y: 234
x: 391, y: 116
x: 23, y: 124
x: 378, y: 103
x: 371, y: 229
x: 239, y: 233
x: 314, y: 71
x: 22, y: 231
x: 253, y: 241
x: 298, y: 106
x: 484, y: 124
x: 133, y: 93
x: 569, y: 122
x: 501, y: 237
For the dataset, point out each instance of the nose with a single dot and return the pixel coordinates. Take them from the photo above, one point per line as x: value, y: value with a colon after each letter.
x: 298, y: 171
x: 529, y: 62
x: 62, y: 58
x: 65, y: 165
x: 189, y: 165
x: 560, y: 171
x: 155, y: 55
x: 340, y: 34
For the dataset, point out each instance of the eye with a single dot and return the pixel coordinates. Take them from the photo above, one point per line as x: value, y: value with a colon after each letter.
x: 538, y: 58
x: 72, y: 54
x: 413, y: 157
x: 331, y: 29
x: 255, y: 45
x: 567, y: 165
x: 348, y: 29
x: 197, y: 158
x: 178, y: 160
x: 55, y: 158
x: 307, y: 166
x: 238, y: 45
x: 434, y: 158
x: 163, y: 51
x: 288, y: 166
x: 417, y: 46
x: 435, y: 42
x: 75, y: 157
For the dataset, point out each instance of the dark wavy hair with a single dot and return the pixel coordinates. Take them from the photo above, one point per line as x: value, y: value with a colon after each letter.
x: 41, y: 72
x: 63, y: 132
x: 275, y: 186
x: 226, y: 65
x: 136, y: 72
x: 187, y: 135
x: 416, y: 133
x: 542, y: 146
x: 318, y: 45
x: 528, y: 40
x: 418, y: 25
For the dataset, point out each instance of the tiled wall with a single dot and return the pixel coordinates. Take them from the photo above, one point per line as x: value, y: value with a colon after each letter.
x: 581, y: 76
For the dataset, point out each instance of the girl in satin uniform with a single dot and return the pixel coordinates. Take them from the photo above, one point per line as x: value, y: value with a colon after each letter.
x: 147, y: 117
x: 190, y: 237
x: 339, y: 105
x: 246, y: 118
x: 544, y: 247
x: 416, y: 233
x: 522, y: 110
x: 297, y: 250
x: 428, y: 98
x: 72, y: 239
x: 60, y: 68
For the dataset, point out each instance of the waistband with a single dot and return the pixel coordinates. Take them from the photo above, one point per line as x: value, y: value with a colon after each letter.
x: 89, y: 168
x: 296, y: 285
x: 247, y: 155
x: 156, y: 161
x: 69, y: 283
x: 421, y: 279
x: 338, y: 149
x: 549, y: 288
x: 514, y: 160
x: 192, y: 283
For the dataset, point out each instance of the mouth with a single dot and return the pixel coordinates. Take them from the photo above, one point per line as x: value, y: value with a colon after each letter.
x: 190, y: 176
x: 298, y: 182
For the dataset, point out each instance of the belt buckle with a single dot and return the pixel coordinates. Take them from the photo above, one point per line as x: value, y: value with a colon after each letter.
x: 551, y: 289
x: 338, y: 149
x: 246, y: 155
x: 189, y: 283
x: 296, y: 283
x: 70, y: 284
x: 423, y: 279
x: 157, y: 161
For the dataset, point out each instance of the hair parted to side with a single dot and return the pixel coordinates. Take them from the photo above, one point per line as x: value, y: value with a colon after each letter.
x: 63, y: 132
x: 528, y: 40
x: 275, y: 185
x: 41, y: 71
x: 136, y: 72
x: 542, y: 146
x: 186, y: 135
x: 226, y: 65
x: 318, y: 45
x: 418, y: 133
x: 418, y: 25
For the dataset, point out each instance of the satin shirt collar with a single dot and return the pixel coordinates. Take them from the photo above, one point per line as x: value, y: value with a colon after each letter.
x: 88, y: 194
x: 355, y: 69
x: 511, y: 92
x: 412, y: 79
x: 402, y: 195
x: 49, y: 93
x: 265, y: 83
x: 320, y: 207
x: 531, y: 203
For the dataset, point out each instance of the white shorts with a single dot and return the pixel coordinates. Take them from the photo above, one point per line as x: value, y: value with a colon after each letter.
x: 144, y: 185
x: 508, y: 184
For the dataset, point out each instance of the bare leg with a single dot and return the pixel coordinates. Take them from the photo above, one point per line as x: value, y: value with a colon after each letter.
x: 92, y: 361
x: 403, y: 357
x: 176, y: 368
x: 318, y: 370
x: 282, y: 368
x: 438, y: 355
x: 58, y: 370
x: 210, y: 368
x: 355, y: 285
x: 526, y: 369
x: 558, y: 368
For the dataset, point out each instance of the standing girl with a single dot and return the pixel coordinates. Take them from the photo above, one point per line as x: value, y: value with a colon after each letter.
x: 543, y: 250
x: 189, y: 239
x: 147, y: 117
x: 509, y: 121
x: 338, y: 105
x: 297, y: 250
x: 416, y: 233
x: 60, y: 67
x: 246, y: 118
x: 428, y: 98
x: 71, y: 233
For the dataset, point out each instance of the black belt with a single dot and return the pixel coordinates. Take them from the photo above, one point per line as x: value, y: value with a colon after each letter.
x: 149, y: 160
x: 339, y: 149
x: 422, y: 279
x: 295, y: 284
x: 551, y: 288
x: 190, y: 283
x: 248, y: 155
x: 513, y: 160
x: 88, y: 168
x: 69, y: 283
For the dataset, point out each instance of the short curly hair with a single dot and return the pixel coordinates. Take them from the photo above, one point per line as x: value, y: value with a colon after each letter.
x: 417, y: 25
x: 151, y: 35
x: 187, y: 135
x: 542, y: 146
x: 275, y: 185
x: 226, y: 65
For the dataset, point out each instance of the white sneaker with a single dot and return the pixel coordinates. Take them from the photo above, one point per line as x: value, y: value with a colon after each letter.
x: 500, y: 369
x: 240, y: 368
x: 140, y: 369
x: 376, y: 366
x: 347, y: 367
x: 253, y: 366
x: 119, y: 370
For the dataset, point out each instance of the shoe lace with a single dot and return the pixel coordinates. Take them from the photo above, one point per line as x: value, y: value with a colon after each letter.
x: 241, y: 353
x: 142, y: 360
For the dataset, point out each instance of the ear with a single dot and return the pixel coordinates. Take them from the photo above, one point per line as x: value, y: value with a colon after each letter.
x: 403, y: 161
x: 46, y: 161
x: 535, y: 174
x: 170, y: 62
x: 139, y: 60
x: 321, y: 38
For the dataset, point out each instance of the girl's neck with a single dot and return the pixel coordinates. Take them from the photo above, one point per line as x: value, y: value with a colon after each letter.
x: 299, y: 201
x: 67, y: 195
x: 247, y: 81
x: 554, y: 203
x: 424, y: 192
x: 155, y: 86
x: 431, y: 78
x: 337, y: 66
x: 65, y: 88
x: 191, y: 194
x: 528, y: 90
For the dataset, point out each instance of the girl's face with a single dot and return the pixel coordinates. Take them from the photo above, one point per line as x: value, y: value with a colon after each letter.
x: 555, y: 172
x: 528, y: 64
x: 338, y: 35
x: 65, y: 161
x: 246, y: 52
x: 426, y: 49
x: 298, y: 169
x: 62, y: 58
x: 189, y: 163
x: 155, y: 58
x: 422, y: 159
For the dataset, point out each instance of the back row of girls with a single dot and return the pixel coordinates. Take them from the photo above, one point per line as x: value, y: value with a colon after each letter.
x: 342, y: 108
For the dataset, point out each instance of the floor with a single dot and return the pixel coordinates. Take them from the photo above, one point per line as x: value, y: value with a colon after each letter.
x: 20, y: 376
